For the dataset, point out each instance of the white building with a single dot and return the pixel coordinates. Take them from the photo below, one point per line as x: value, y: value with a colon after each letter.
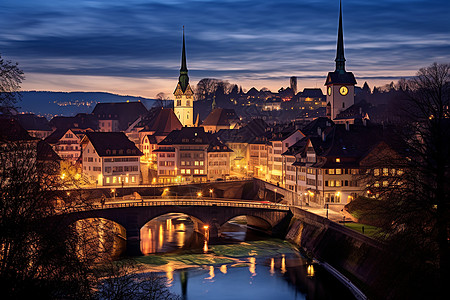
x: 110, y: 158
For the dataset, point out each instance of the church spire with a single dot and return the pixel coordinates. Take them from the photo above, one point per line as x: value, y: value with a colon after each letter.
x: 184, y: 78
x: 340, y: 59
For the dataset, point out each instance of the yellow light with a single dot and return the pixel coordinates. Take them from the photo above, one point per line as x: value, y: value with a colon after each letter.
x: 310, y: 271
x: 166, y: 190
x: 338, y: 160
x: 210, y: 190
x: 113, y: 190
x: 199, y: 194
x: 338, y: 193
x: 206, y: 227
x: 63, y: 175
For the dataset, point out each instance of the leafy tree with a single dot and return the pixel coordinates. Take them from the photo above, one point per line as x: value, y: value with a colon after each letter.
x: 413, y: 183
x: 10, y: 79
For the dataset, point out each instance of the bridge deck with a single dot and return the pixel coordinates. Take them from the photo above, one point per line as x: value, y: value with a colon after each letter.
x: 151, y: 201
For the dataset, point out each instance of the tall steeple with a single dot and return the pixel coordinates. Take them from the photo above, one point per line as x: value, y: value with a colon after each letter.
x: 340, y: 59
x: 183, y: 105
x: 184, y: 78
x: 340, y: 83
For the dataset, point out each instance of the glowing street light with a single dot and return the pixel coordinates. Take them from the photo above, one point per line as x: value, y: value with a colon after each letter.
x: 113, y: 191
x: 199, y: 194
x: 210, y: 192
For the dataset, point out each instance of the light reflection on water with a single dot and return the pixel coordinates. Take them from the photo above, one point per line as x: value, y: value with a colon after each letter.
x: 278, y: 276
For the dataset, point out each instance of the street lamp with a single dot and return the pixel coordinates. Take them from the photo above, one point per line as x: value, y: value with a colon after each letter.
x: 113, y: 191
x: 199, y: 194
x: 210, y: 192
x: 275, y: 200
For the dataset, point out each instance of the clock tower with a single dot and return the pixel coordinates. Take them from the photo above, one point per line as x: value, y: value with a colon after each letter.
x: 340, y: 83
x: 183, y: 105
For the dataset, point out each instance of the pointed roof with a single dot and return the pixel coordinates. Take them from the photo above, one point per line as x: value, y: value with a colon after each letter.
x: 112, y: 144
x: 183, y: 80
x: 165, y: 122
x: 340, y: 76
x: 340, y: 59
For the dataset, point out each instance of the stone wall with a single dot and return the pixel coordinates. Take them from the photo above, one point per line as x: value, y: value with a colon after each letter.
x: 360, y: 258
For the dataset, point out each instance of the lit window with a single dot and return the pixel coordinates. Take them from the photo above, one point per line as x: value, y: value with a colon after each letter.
x: 196, y: 171
x: 107, y: 179
x: 188, y: 171
x: 183, y: 171
x: 133, y: 179
x: 338, y: 160
x: 114, y: 179
x: 338, y: 171
x: 201, y: 163
x: 331, y: 171
x: 202, y: 172
x: 196, y: 163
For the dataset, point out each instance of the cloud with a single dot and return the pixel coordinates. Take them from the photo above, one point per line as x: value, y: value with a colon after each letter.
x: 231, y: 39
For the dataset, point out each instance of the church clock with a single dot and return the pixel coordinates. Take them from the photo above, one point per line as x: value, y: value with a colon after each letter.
x: 343, y: 90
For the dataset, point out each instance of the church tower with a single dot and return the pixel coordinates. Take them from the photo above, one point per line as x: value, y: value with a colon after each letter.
x: 183, y: 105
x: 340, y: 83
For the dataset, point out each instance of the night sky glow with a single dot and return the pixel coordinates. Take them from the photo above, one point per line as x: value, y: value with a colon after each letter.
x: 134, y: 46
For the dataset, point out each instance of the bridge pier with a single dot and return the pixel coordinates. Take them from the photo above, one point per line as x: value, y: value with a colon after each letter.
x: 133, y: 242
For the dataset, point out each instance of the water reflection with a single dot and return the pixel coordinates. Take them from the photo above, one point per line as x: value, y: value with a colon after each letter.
x: 174, y: 231
x: 99, y: 239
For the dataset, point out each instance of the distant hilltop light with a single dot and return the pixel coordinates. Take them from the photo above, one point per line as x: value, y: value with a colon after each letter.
x: 128, y: 101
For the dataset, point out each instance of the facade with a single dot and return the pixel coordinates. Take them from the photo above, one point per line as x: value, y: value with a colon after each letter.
x: 190, y: 155
x: 66, y: 143
x: 340, y: 83
x: 110, y: 158
x: 184, y: 96
x: 118, y: 116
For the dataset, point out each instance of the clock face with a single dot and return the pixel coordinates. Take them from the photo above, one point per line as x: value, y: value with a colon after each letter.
x: 329, y: 91
x: 343, y: 90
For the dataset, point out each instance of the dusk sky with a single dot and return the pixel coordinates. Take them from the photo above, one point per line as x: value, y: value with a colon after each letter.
x: 134, y: 46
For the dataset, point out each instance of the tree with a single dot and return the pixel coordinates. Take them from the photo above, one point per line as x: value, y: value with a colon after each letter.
x: 10, y: 79
x: 413, y: 184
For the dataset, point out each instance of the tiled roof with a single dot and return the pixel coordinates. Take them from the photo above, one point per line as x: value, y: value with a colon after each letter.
x: 33, y: 122
x: 220, y: 117
x: 45, y: 152
x: 112, y: 144
x: 81, y: 121
x: 12, y: 131
x: 337, y: 77
x: 311, y: 93
x: 124, y: 112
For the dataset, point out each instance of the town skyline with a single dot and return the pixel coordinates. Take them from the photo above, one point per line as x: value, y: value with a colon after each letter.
x: 136, y: 49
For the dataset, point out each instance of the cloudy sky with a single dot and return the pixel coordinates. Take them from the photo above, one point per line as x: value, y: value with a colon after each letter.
x: 134, y: 46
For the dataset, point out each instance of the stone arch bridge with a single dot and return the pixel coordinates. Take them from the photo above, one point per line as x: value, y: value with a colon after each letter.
x: 133, y: 215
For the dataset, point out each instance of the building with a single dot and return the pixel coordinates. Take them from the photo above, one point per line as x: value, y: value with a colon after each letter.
x: 115, y: 117
x: 220, y: 118
x: 110, y: 158
x: 192, y: 155
x: 66, y: 143
x: 340, y: 83
x: 293, y: 84
x: 36, y: 126
x: 184, y: 96
x: 311, y: 99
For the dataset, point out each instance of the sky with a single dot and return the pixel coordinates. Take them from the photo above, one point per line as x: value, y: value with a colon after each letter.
x: 133, y: 47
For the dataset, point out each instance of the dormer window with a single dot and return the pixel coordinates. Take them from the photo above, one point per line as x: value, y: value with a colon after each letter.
x: 338, y: 160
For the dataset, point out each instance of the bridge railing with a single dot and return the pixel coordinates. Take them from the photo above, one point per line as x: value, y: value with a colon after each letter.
x: 145, y: 202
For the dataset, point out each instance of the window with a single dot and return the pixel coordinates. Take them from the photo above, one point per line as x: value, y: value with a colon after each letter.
x: 331, y: 171
x: 188, y: 103
x: 107, y: 179
x: 338, y: 171
x: 196, y: 171
x: 338, y: 160
x: 183, y: 171
x: 178, y: 102
x: 188, y: 171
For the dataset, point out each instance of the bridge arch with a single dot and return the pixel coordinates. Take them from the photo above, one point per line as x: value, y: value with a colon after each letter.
x: 98, y: 238
x: 252, y: 221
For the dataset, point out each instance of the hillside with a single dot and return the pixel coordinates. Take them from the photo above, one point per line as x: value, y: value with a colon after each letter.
x: 50, y: 104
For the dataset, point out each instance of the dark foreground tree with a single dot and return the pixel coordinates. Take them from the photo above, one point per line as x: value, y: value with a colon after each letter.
x: 413, y: 183
x: 10, y: 79
x: 41, y: 253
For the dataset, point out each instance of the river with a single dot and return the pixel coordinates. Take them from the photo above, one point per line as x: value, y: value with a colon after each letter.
x: 242, y: 264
